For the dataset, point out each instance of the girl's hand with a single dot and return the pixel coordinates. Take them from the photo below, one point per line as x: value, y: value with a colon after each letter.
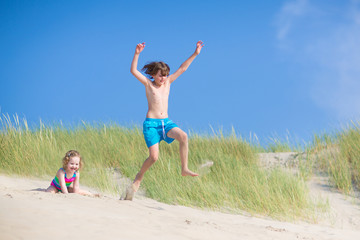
x: 139, y: 48
x: 199, y: 46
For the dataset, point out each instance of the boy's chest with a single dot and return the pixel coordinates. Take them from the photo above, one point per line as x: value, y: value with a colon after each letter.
x: 160, y: 92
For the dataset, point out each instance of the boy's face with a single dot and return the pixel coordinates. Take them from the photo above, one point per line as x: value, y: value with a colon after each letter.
x: 159, y: 78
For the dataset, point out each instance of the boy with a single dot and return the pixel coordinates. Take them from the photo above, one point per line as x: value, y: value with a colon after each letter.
x: 157, y: 126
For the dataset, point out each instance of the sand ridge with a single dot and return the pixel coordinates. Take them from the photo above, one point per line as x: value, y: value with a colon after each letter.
x: 26, y: 212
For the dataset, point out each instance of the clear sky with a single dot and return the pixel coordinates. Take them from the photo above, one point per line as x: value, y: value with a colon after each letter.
x: 267, y: 67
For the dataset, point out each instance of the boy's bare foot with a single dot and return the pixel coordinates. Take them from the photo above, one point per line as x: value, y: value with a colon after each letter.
x: 131, y: 190
x: 187, y: 172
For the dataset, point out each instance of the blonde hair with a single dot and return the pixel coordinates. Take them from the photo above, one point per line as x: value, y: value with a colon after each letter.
x: 69, y: 155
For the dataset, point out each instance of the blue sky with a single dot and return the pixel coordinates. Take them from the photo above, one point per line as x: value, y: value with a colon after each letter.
x: 267, y: 68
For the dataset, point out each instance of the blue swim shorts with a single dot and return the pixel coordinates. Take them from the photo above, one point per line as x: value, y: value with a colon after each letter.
x: 156, y: 130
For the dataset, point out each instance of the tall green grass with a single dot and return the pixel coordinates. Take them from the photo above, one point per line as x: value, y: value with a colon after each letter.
x: 234, y: 183
x: 338, y: 155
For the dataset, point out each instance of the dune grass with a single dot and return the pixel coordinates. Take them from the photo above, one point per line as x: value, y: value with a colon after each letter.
x: 235, y: 182
x: 338, y: 155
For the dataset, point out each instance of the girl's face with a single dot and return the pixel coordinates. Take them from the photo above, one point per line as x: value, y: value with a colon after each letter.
x: 73, y: 164
x: 159, y: 78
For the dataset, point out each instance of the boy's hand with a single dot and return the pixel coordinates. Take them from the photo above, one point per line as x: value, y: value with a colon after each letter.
x: 139, y: 48
x: 199, y: 46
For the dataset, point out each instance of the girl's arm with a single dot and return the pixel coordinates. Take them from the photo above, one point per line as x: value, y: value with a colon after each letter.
x: 187, y: 63
x: 134, y: 64
x: 77, y: 183
x: 61, y: 176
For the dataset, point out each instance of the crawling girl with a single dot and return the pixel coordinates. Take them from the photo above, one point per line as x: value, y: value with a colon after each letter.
x: 67, y: 179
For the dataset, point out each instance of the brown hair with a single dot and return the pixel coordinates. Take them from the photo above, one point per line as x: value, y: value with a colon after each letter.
x: 70, y: 154
x: 152, y: 69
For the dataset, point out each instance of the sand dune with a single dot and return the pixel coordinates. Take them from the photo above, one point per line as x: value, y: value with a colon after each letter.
x: 26, y: 212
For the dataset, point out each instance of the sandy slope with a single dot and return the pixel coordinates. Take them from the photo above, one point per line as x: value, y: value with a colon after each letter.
x: 26, y: 212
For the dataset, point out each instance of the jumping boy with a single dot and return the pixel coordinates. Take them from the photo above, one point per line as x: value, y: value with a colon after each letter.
x: 157, y: 125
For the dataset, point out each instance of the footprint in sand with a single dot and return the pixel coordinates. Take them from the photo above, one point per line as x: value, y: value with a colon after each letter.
x: 275, y: 229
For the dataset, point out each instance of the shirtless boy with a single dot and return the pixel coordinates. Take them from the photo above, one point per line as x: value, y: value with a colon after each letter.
x: 157, y: 126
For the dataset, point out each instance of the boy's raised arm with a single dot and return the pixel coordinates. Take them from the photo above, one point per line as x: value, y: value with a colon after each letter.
x: 134, y: 63
x: 187, y: 63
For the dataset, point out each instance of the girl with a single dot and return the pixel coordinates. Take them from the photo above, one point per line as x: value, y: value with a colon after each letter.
x: 68, y: 177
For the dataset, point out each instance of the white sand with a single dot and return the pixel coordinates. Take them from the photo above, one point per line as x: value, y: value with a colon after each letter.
x: 28, y: 213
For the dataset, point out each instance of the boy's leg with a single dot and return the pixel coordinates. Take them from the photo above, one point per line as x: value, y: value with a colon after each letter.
x: 153, y: 157
x: 181, y: 136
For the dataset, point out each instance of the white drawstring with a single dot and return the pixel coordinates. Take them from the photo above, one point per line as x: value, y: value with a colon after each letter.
x: 163, y: 128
